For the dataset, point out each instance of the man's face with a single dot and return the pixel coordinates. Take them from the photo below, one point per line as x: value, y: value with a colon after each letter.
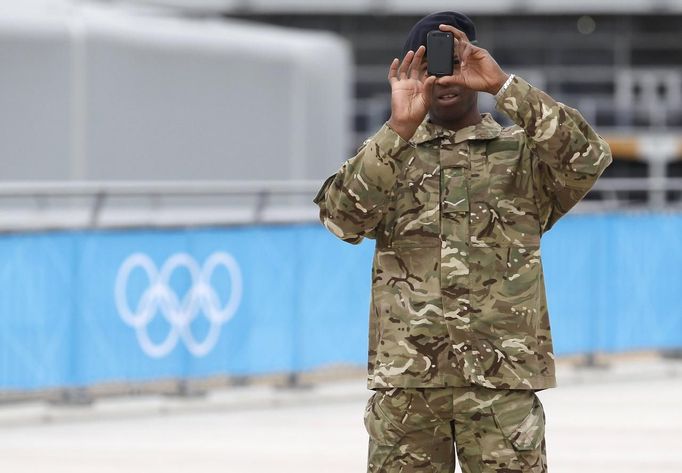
x: 449, y: 101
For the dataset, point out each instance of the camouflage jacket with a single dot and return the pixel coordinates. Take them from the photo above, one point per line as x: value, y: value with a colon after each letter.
x: 458, y: 295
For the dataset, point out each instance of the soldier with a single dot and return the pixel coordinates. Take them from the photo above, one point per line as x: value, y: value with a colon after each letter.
x: 459, y: 335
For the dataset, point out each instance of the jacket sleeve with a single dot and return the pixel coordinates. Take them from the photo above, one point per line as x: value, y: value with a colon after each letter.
x: 568, y: 155
x: 354, y: 200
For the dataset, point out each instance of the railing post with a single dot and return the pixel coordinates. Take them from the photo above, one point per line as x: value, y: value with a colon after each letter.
x: 184, y: 389
x: 74, y: 397
x: 97, y: 208
x: 590, y: 361
x: 261, y: 202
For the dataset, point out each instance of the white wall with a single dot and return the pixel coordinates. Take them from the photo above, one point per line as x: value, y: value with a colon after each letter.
x: 90, y: 92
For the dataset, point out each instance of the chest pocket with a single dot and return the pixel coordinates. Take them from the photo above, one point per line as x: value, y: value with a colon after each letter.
x: 415, y: 220
x: 506, y: 208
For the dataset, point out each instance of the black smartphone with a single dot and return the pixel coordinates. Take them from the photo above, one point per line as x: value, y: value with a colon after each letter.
x: 439, y: 53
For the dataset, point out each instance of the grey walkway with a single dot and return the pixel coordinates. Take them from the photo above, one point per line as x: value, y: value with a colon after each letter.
x: 625, y: 420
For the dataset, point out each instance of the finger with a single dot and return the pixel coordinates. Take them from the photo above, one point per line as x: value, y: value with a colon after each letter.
x: 457, y: 33
x: 424, y: 74
x: 393, y: 71
x: 428, y: 88
x: 464, y: 53
x: 419, y: 73
x: 416, y: 69
x: 474, y: 53
x: 405, y: 66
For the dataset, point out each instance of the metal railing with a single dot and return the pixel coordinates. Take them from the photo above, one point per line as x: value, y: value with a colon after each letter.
x: 94, y: 198
x: 60, y: 205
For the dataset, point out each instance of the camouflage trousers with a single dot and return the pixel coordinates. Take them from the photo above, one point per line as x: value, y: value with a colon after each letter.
x: 419, y: 429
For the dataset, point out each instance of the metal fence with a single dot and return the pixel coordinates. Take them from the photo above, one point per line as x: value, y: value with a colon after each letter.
x: 62, y: 282
x: 63, y: 205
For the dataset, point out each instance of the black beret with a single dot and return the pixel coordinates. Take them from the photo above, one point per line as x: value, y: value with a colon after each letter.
x: 417, y: 35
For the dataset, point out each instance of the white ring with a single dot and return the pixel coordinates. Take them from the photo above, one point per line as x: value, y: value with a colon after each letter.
x: 159, y: 298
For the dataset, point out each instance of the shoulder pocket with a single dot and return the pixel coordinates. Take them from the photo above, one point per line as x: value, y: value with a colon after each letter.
x: 415, y: 222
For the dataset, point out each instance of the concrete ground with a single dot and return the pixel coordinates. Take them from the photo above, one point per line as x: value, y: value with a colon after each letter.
x: 625, y: 419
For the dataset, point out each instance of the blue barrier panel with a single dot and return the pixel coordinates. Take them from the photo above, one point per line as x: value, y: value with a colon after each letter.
x: 333, y: 299
x: 79, y: 308
x: 614, y: 282
x: 190, y: 331
x: 37, y: 310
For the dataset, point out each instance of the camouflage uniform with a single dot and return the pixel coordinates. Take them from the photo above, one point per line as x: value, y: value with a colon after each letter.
x: 458, y: 296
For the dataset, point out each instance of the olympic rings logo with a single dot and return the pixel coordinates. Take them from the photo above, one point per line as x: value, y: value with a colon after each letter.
x: 159, y: 298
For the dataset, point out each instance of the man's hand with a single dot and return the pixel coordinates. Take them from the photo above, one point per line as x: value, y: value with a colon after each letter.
x: 411, y: 90
x: 477, y: 69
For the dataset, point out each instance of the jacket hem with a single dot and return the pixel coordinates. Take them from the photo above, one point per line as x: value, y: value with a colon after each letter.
x: 537, y: 382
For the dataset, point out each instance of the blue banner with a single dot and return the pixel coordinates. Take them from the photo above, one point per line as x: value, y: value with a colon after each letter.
x: 81, y: 308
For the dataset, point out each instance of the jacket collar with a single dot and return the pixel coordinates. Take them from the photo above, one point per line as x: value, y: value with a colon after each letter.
x: 486, y: 129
